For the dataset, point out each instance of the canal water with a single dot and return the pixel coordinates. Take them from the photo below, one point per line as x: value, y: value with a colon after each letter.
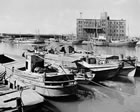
x: 122, y: 95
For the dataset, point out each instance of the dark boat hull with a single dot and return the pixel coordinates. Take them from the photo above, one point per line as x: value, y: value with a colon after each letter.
x: 105, y: 74
x: 127, y: 72
x: 57, y: 92
x: 137, y: 74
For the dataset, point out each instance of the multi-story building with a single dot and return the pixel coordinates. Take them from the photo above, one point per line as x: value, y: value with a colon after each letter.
x: 111, y: 29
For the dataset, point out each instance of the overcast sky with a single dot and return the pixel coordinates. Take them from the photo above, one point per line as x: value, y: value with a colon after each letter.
x: 59, y: 16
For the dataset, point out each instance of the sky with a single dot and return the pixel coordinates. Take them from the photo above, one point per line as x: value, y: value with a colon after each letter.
x: 59, y: 16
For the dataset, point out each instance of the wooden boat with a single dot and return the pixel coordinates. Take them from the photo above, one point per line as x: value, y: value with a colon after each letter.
x: 47, y: 80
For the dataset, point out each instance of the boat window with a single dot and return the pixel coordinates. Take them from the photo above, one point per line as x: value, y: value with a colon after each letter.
x: 92, y: 61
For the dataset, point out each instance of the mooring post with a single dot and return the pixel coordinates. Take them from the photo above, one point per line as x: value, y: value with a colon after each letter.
x: 19, y: 104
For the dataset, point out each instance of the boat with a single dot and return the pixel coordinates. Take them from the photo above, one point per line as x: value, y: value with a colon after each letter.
x: 77, y: 42
x: 107, y: 67
x: 129, y: 66
x: 15, y: 98
x: 137, y: 74
x: 120, y: 43
x: 100, y: 41
x: 28, y: 41
x: 101, y: 69
x: 19, y: 101
x: 71, y: 42
x: 138, y: 44
x: 38, y: 40
x: 49, y: 80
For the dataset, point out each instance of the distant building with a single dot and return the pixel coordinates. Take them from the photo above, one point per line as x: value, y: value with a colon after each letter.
x: 112, y: 29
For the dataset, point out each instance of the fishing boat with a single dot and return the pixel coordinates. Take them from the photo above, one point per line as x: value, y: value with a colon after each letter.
x: 107, y: 67
x: 49, y: 80
x: 102, y: 71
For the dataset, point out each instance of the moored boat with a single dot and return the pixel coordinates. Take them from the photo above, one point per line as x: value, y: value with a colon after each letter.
x: 49, y: 80
x: 14, y: 98
x: 77, y: 42
x: 128, y: 43
x: 100, y: 41
x: 138, y: 44
x: 71, y: 42
x: 103, y: 71
x: 129, y: 66
x: 137, y: 74
x: 13, y: 101
x: 106, y: 68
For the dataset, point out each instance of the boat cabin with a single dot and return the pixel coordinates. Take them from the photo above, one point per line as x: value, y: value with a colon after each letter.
x: 100, y: 59
x: 33, y: 61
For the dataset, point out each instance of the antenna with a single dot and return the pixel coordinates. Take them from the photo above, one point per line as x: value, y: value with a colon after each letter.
x: 81, y: 14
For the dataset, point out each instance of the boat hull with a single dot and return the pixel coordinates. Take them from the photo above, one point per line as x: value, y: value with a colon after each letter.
x: 127, y: 72
x: 57, y: 92
x: 49, y: 90
x: 77, y: 42
x: 120, y: 44
x: 105, y: 74
x: 100, y: 43
x: 137, y: 74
